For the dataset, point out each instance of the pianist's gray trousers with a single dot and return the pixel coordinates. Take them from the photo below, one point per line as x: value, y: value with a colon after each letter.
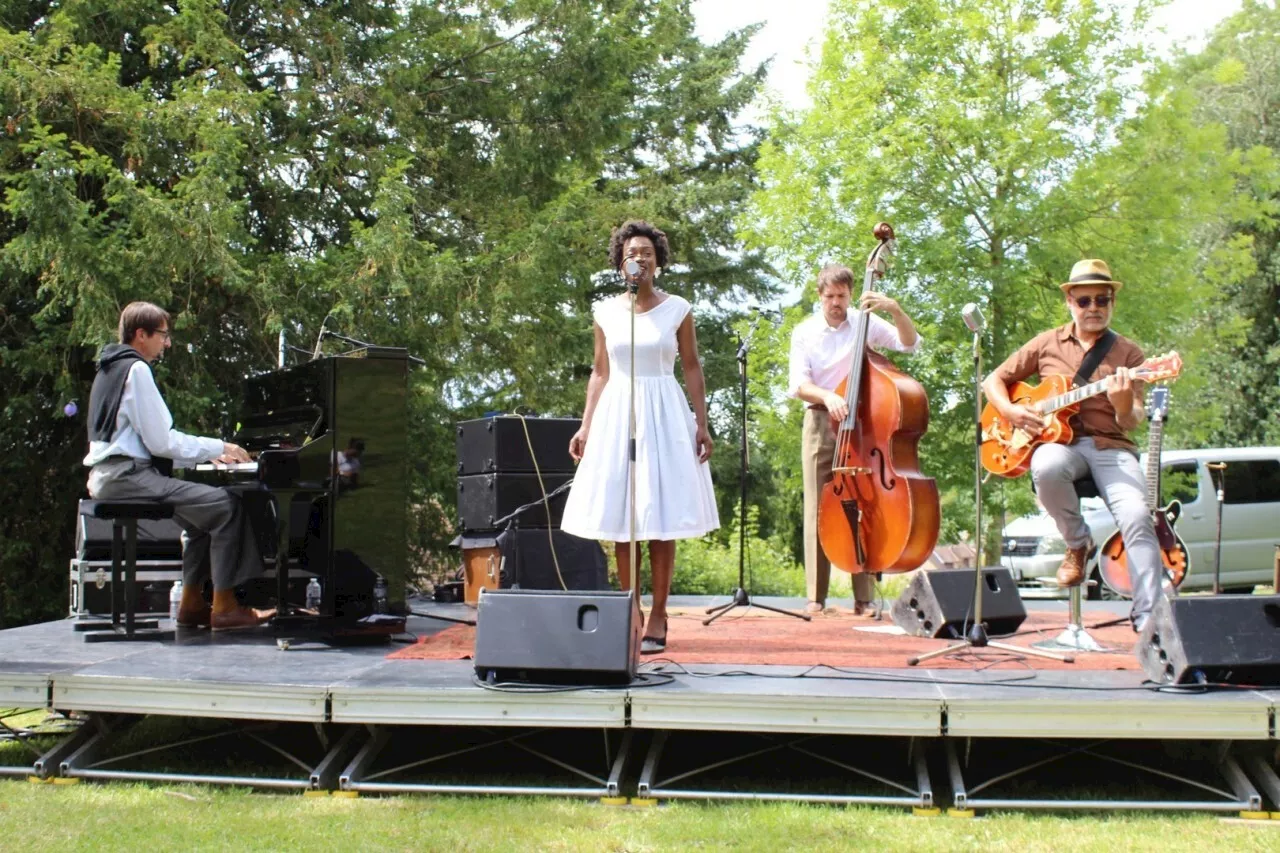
x: 217, y: 540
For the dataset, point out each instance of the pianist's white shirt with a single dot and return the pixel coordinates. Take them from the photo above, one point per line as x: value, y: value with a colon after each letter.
x: 144, y: 428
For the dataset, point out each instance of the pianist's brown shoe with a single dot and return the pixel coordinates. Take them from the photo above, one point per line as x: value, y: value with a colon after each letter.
x: 198, y: 616
x: 1071, y: 572
x: 240, y: 618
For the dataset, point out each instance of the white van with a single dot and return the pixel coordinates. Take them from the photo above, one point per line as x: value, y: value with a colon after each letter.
x: 1032, y: 548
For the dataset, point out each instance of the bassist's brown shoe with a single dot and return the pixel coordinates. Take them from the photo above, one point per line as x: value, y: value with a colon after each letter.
x: 1071, y: 572
x: 194, y: 617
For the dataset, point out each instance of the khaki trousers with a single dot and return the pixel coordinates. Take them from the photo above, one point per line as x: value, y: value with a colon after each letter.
x: 817, y: 450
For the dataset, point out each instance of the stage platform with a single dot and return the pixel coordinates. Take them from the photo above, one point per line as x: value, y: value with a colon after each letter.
x: 989, y: 731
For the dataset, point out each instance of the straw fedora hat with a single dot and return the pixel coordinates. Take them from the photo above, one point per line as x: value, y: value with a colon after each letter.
x: 1090, y: 271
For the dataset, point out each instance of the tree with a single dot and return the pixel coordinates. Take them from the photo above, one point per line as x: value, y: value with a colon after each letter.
x: 438, y: 176
x: 1236, y: 83
x: 1004, y: 139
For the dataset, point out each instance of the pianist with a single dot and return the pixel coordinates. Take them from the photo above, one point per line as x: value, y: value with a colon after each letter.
x: 132, y: 448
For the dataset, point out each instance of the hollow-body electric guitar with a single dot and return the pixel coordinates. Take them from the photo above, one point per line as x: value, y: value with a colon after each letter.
x: 1114, y: 559
x: 1006, y: 450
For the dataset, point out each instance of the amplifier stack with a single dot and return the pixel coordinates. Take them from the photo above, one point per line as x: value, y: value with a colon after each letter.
x: 497, y: 475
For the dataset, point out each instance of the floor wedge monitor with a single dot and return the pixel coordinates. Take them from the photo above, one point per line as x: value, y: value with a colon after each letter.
x: 1221, y: 639
x: 939, y: 603
x: 548, y: 637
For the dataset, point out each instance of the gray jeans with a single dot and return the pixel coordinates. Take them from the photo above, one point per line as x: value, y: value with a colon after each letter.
x: 217, y: 540
x: 1123, y: 486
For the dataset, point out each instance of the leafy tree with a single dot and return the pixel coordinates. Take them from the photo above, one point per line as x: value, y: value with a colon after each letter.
x: 1236, y: 84
x: 1004, y: 139
x: 439, y: 176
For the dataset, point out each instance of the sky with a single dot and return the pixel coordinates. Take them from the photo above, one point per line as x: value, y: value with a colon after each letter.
x: 791, y: 26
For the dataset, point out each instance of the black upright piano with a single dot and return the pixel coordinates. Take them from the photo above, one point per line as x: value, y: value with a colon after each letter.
x: 328, y: 492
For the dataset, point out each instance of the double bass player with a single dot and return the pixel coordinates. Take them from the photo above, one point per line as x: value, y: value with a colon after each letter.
x: 820, y: 359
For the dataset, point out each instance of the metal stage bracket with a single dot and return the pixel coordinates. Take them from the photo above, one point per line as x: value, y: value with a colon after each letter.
x: 366, y: 775
x: 1239, y: 796
x: 920, y: 796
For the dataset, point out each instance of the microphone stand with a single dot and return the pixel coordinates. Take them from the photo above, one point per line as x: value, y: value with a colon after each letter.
x: 355, y: 342
x: 976, y: 637
x: 633, y: 292
x: 740, y: 596
x: 1221, y: 482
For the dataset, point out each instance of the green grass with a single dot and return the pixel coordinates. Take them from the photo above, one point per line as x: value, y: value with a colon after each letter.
x: 146, y: 817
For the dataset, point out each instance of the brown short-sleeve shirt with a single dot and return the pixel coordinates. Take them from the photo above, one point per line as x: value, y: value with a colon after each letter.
x: 1059, y: 351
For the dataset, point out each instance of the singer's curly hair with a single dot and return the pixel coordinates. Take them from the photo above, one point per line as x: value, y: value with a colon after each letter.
x: 638, y: 228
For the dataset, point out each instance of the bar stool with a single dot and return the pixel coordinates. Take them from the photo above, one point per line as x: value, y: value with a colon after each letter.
x: 124, y: 516
x: 1074, y: 636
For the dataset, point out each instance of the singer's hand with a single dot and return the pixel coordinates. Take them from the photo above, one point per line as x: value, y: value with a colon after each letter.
x: 702, y: 440
x: 578, y: 444
x: 1024, y: 418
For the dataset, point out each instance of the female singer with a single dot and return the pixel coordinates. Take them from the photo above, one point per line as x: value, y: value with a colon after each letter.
x: 674, y: 498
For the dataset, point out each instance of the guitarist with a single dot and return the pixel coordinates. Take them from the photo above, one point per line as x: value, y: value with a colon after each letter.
x: 1088, y: 349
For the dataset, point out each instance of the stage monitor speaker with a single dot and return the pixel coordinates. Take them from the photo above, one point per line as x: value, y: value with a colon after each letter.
x: 547, y: 637
x: 1222, y: 639
x: 939, y: 603
x: 498, y: 444
x: 483, y: 499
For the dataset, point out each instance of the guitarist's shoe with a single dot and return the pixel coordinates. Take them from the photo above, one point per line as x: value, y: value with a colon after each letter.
x: 1071, y: 572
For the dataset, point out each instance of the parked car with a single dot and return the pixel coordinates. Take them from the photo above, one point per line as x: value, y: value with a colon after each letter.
x: 1032, y: 547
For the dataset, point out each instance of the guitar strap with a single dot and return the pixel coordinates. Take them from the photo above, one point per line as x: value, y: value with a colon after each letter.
x: 1093, y: 358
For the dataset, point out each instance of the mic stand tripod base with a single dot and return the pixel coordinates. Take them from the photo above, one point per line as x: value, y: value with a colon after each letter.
x: 741, y: 599
x: 977, y: 639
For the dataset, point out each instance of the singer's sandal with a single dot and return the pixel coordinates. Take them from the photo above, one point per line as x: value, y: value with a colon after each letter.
x: 654, y: 645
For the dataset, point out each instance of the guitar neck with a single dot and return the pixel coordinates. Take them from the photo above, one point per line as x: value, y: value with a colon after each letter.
x: 1075, y: 395
x: 1155, y: 441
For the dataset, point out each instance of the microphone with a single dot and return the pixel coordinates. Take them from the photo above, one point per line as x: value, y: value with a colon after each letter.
x: 774, y: 314
x: 973, y: 318
x: 320, y: 337
x: 631, y: 268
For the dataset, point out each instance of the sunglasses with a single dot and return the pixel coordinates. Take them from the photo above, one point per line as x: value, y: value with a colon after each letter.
x: 1088, y: 301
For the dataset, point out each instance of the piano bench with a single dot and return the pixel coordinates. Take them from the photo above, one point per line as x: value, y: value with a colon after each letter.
x: 124, y: 516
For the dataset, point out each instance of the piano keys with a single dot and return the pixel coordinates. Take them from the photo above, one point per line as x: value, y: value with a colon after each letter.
x: 328, y: 490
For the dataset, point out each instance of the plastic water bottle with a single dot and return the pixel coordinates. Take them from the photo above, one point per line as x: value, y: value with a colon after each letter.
x: 175, y: 599
x: 380, y: 595
x: 313, y: 594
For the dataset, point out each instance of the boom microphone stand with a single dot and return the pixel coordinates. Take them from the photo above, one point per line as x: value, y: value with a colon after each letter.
x: 631, y: 270
x: 740, y: 596
x: 976, y: 638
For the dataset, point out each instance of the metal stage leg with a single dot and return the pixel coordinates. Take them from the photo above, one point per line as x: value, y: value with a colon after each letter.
x: 360, y: 775
x: 86, y: 761
x: 1266, y: 778
x: 324, y: 777
x: 1246, y: 797
x: 651, y: 787
x: 1074, y: 637
x: 48, y: 765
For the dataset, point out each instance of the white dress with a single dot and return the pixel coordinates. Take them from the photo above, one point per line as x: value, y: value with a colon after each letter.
x: 674, y: 497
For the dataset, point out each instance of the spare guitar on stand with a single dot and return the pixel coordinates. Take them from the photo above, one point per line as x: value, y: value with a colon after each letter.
x: 1114, y: 561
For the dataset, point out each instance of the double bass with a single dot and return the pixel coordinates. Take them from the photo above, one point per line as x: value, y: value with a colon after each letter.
x: 878, y: 513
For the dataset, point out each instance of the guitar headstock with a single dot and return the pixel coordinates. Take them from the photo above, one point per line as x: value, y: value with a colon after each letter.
x: 1158, y: 404
x: 1160, y: 368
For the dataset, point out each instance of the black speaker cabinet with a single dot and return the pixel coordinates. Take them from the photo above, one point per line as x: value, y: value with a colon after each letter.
x: 557, y: 637
x: 483, y: 499
x: 491, y: 445
x: 939, y: 603
x: 1223, y: 639
x: 527, y: 561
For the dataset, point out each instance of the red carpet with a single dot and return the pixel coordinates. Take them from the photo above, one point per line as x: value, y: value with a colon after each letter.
x: 757, y: 637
